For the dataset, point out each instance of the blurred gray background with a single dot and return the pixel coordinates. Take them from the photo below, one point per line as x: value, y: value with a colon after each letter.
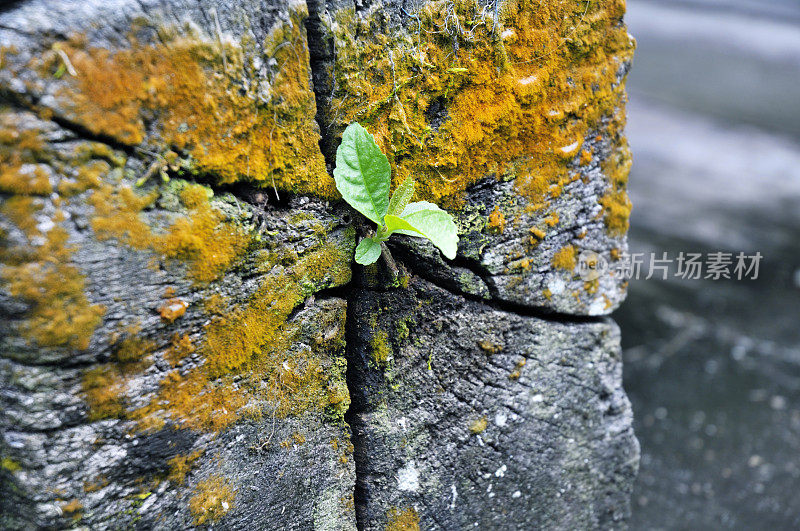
x: 713, y: 367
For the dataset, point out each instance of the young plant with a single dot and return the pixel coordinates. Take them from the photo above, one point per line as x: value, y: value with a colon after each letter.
x: 363, y: 177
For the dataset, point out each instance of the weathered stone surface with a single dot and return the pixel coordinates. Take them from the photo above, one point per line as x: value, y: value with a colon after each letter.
x: 526, y: 148
x: 473, y: 416
x: 181, y: 337
x: 126, y: 467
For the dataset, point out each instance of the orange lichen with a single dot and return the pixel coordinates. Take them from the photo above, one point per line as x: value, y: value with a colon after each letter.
x: 212, y: 499
x: 402, y: 520
x: 202, y: 237
x: 497, y: 221
x: 60, y: 314
x: 517, y: 99
x: 180, y: 465
x: 586, y: 157
x: 192, y: 85
x: 566, y: 258
x: 72, y: 509
x: 489, y: 346
x: 255, y: 340
x: 172, y: 309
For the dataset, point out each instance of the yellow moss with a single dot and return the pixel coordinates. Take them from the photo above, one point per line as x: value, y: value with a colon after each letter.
x: 132, y: 349
x: 215, y: 304
x: 478, y: 425
x: 41, y: 274
x: 61, y: 315
x: 9, y: 464
x: 202, y: 238
x: 520, y: 104
x: 616, y: 205
x: 72, y: 508
x: 381, y: 351
x: 547, y: 293
x: 489, y: 346
x: 180, y: 465
x: 253, y: 341
x: 103, y: 388
x: 552, y: 219
x: 402, y: 520
x: 89, y: 176
x: 202, y: 107
x: 591, y: 286
x: 566, y: 258
x: 497, y: 221
x: 212, y: 499
x: 181, y: 347
x: 21, y: 211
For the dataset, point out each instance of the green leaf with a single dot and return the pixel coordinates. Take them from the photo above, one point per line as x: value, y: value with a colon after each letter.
x: 368, y: 251
x: 434, y: 224
x: 401, y: 196
x: 362, y: 173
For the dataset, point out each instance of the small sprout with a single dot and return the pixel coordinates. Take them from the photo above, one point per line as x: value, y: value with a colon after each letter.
x: 363, y: 177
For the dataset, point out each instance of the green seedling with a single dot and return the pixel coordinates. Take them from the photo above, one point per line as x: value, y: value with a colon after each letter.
x: 363, y: 177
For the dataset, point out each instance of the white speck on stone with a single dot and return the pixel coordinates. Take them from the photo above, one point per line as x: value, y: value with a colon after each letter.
x: 500, y: 419
x: 408, y: 478
x: 489, y: 488
x: 598, y: 307
x: 45, y: 225
x: 516, y: 494
x: 500, y: 472
x: 556, y: 285
x: 225, y: 506
x: 570, y: 148
x: 455, y: 495
x: 526, y: 80
x: 507, y: 33
x: 539, y: 397
x: 403, y: 423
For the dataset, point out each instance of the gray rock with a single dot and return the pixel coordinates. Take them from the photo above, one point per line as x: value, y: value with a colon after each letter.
x: 183, y: 330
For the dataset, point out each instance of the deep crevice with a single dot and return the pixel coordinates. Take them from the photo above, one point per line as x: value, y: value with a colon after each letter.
x: 356, y: 406
x: 537, y: 312
x: 321, y: 55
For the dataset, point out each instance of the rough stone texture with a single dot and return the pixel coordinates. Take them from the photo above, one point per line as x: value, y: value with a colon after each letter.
x: 485, y: 418
x: 177, y: 299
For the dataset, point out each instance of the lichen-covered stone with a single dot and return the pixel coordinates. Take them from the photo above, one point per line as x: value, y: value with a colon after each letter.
x: 480, y: 417
x: 183, y: 325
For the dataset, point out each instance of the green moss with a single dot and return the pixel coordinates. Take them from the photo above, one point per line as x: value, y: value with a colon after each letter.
x: 381, y: 351
x: 9, y: 465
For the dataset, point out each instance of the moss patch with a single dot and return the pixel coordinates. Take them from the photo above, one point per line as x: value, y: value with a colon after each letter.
x: 516, y: 99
